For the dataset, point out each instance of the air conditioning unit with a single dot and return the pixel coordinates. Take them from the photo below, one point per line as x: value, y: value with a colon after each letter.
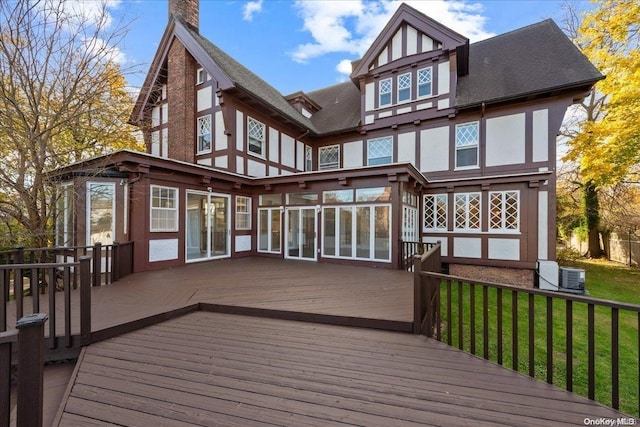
x: 572, y: 280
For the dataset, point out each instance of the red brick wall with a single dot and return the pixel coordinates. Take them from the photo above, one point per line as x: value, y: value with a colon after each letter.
x: 187, y: 10
x: 181, y: 81
x: 508, y: 276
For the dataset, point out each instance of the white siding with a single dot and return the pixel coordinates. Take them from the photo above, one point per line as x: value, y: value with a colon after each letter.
x: 543, y: 224
x: 444, y: 249
x: 541, y: 136
x: 299, y: 156
x: 427, y: 44
x: 396, y: 45
x: 382, y: 59
x: 165, y: 143
x: 434, y: 149
x: 407, y: 147
x: 155, y: 117
x: 443, y: 103
x: 243, y: 243
x: 505, y: 140
x: 467, y: 247
x: 204, y: 98
x: 288, y: 151
x: 443, y: 78
x: 369, y: 96
x: 205, y: 162
x: 256, y: 169
x: 221, y: 138
x: 507, y: 249
x: 385, y: 114
x: 403, y: 110
x: 165, y: 113
x: 274, y: 145
x: 163, y: 249
x: 273, y: 171
x: 424, y: 106
x: 222, y: 162
x: 412, y: 40
x: 240, y: 165
x: 239, y: 131
x: 155, y: 143
x: 352, y: 154
x: 369, y: 119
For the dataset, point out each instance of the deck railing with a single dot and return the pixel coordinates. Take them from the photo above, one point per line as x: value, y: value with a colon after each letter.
x: 586, y: 345
x: 409, y: 249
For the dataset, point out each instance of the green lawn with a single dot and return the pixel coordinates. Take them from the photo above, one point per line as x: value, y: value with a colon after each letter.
x: 603, y: 281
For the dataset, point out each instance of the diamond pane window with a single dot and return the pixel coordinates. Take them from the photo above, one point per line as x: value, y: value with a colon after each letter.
x: 329, y: 157
x: 380, y: 151
x: 424, y: 82
x: 467, y: 211
x: 504, y: 210
x: 204, y: 134
x: 404, y: 87
x: 435, y: 212
x: 256, y: 134
x: 308, y: 158
x: 467, y: 137
x: 385, y: 92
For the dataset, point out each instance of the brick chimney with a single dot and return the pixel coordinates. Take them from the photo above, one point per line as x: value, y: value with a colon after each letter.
x: 187, y: 10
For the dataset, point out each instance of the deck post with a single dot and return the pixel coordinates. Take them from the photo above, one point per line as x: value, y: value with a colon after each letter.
x: 31, y: 366
x: 115, y: 262
x: 85, y: 299
x: 7, y: 340
x: 417, y: 293
x: 97, y: 264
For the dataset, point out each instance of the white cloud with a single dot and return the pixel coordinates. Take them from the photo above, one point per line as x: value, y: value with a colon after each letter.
x: 101, y: 50
x: 352, y: 26
x: 90, y: 12
x: 344, y: 67
x: 250, y: 9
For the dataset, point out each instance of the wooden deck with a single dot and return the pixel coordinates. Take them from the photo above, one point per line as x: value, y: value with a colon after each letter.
x: 220, y: 369
x: 380, y: 295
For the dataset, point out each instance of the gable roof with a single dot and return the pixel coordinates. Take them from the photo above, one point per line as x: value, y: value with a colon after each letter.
x: 533, y: 59
x: 229, y: 73
x: 450, y: 39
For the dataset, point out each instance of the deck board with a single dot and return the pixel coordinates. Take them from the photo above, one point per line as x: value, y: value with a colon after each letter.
x: 222, y: 369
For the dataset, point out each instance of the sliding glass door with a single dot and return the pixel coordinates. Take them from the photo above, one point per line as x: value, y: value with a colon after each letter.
x: 301, y: 233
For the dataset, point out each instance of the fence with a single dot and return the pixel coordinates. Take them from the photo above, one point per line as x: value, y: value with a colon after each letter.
x: 49, y: 275
x: 620, y: 248
x: 408, y: 250
x: 545, y: 334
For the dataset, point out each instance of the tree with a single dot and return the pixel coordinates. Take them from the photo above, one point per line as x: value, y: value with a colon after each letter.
x: 63, y: 98
x: 606, y: 143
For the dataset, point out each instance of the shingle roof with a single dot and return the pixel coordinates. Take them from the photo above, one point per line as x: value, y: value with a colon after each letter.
x: 340, y: 107
x: 533, y: 59
x: 250, y: 82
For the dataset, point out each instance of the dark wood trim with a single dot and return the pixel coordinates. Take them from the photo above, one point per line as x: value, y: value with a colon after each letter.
x: 326, y: 319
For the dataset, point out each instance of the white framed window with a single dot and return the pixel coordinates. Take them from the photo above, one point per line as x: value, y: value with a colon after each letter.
x: 425, y: 80
x: 204, y: 134
x: 467, y: 211
x: 243, y: 213
x: 329, y: 157
x: 64, y: 215
x: 504, y: 211
x: 164, y: 208
x: 101, y: 213
x: 435, y: 212
x: 201, y: 76
x: 467, y: 141
x: 380, y: 151
x: 404, y: 87
x: 256, y: 132
x: 308, y: 158
x: 384, y: 89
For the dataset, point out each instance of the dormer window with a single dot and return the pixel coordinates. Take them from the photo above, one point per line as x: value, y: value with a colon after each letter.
x: 425, y: 78
x: 404, y: 87
x: 385, y: 92
x: 201, y: 76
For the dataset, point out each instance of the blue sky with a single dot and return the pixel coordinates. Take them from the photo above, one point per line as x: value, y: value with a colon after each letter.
x: 306, y: 45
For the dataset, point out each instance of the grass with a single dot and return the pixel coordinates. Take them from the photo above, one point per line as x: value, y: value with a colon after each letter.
x: 603, y: 281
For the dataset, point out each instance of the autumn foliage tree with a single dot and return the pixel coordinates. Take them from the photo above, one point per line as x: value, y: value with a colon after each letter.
x: 606, y: 143
x: 63, y: 98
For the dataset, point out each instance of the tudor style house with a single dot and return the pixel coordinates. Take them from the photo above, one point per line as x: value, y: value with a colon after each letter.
x: 432, y: 139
